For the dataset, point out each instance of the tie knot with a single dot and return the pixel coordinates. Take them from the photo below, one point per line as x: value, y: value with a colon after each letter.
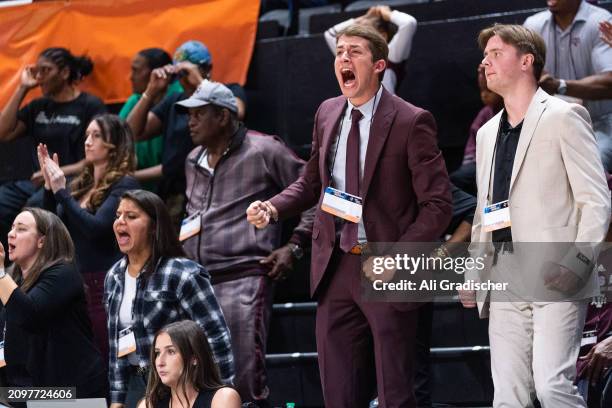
x: 356, y: 115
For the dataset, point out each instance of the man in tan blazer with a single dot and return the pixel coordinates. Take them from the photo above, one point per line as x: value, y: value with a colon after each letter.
x: 539, y: 157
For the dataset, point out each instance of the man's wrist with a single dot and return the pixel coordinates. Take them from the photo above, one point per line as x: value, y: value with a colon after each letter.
x: 296, y: 250
x: 562, y: 87
x: 272, y: 212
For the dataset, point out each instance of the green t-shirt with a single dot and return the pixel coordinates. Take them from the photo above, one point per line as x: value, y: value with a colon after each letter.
x: 148, y: 152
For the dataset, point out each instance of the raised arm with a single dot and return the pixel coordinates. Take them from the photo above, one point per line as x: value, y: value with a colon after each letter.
x: 10, y: 126
x: 401, y: 43
x: 142, y: 121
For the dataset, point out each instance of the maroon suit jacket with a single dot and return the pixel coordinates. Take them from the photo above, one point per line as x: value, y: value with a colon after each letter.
x: 405, y: 186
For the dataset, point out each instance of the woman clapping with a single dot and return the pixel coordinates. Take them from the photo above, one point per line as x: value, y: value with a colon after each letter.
x: 88, y: 205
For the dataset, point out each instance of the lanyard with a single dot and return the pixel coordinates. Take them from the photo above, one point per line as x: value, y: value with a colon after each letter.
x: 197, y: 164
x: 569, y: 50
x: 499, y: 131
x: 503, y: 119
x: 339, y: 133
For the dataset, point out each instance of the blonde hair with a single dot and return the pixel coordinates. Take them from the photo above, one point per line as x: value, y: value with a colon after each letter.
x: 525, y: 40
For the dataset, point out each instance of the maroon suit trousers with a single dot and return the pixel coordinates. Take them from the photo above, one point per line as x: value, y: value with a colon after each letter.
x: 363, y: 347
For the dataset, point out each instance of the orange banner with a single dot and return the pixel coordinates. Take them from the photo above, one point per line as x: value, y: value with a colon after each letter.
x: 112, y: 31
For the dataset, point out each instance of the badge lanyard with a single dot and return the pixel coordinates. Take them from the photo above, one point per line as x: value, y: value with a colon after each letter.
x: 499, y: 131
x: 569, y: 48
x: 338, y: 134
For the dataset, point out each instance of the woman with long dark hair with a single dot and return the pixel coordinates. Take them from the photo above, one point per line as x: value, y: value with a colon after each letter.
x: 88, y: 205
x: 57, y: 119
x: 48, y: 341
x: 185, y: 374
x: 152, y: 286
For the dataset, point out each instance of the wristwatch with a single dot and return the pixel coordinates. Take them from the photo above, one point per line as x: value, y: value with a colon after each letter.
x: 296, y: 251
x: 562, y: 89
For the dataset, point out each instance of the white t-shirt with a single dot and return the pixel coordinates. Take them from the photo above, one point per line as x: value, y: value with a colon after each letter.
x: 125, y: 311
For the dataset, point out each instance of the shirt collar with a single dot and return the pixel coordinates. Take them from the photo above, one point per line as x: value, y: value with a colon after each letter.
x: 581, y: 15
x: 368, y: 108
x: 507, y: 127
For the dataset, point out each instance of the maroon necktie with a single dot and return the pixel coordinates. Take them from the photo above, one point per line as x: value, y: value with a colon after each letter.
x: 348, y: 237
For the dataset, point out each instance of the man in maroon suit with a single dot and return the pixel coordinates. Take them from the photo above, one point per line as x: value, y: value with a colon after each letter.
x: 371, y: 144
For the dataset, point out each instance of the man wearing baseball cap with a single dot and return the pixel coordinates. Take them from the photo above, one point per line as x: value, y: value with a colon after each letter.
x: 230, y: 167
x: 192, y: 64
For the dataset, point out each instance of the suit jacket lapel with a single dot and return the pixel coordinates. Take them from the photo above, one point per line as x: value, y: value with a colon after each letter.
x: 331, y: 129
x: 379, y: 131
x: 488, y: 153
x: 534, y: 112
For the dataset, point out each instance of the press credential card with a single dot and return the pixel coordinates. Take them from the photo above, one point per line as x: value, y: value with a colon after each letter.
x: 588, y: 338
x: 190, y: 226
x: 496, y: 216
x: 2, y: 361
x: 127, y: 342
x: 341, y: 204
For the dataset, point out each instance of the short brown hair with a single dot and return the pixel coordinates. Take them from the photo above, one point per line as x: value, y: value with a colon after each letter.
x: 57, y: 247
x: 376, y: 42
x: 525, y: 40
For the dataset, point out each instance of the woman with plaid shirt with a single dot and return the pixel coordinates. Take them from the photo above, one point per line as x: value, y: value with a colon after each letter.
x: 152, y: 286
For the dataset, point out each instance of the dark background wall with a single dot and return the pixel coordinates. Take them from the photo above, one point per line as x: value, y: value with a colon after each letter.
x: 290, y: 77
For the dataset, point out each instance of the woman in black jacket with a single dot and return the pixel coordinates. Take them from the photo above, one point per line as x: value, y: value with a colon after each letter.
x: 48, y: 340
x: 89, y: 204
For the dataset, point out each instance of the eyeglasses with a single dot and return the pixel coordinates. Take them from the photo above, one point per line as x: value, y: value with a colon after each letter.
x: 42, y: 69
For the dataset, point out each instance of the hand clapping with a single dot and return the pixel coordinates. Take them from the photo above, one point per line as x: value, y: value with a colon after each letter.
x: 55, y: 179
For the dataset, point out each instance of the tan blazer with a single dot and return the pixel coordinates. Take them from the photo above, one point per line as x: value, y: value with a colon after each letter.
x: 558, y: 192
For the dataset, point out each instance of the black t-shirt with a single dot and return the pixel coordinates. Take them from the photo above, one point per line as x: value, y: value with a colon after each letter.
x: 506, y: 145
x: 203, y: 400
x: 60, y: 125
x: 177, y: 141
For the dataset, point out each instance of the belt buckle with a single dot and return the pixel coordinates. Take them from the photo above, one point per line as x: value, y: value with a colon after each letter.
x: 357, y: 249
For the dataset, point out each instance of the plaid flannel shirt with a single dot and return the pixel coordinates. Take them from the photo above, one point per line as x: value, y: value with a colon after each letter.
x: 178, y: 289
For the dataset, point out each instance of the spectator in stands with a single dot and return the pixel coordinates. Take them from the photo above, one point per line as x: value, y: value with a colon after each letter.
x: 465, y: 176
x: 185, y: 373
x: 396, y: 27
x: 230, y: 167
x: 48, y: 341
x: 579, y: 63
x: 57, y: 119
x: 89, y: 205
x: 192, y: 64
x: 594, y: 376
x: 394, y: 210
x: 540, y: 156
x: 148, y: 152
x: 605, y: 27
x: 152, y: 286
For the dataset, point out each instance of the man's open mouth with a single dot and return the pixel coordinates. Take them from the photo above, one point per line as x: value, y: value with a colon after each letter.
x: 348, y: 77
